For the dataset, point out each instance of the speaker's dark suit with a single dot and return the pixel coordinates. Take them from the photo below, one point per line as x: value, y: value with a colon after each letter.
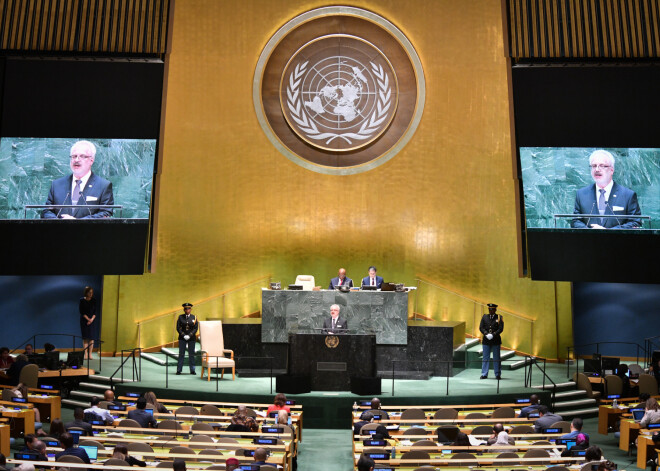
x: 621, y: 201
x: 367, y: 281
x: 340, y: 327
x: 97, y: 191
x: 335, y: 282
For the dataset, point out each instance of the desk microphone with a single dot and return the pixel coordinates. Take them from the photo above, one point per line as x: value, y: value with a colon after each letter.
x: 68, y: 195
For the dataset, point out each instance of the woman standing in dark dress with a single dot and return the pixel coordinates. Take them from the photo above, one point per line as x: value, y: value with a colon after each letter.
x: 87, y: 318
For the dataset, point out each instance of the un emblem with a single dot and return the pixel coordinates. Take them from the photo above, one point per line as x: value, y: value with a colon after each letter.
x: 339, y: 93
x: 331, y: 341
x: 330, y: 99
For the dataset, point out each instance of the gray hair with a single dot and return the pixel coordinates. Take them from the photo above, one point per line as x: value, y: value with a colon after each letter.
x: 334, y: 306
x: 85, y: 145
x: 602, y: 153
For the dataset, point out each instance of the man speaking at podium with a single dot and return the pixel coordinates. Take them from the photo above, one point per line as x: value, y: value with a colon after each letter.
x: 81, y: 188
x: 604, y: 197
x: 335, y: 325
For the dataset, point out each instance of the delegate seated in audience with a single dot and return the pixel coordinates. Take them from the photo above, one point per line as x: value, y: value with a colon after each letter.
x: 502, y: 444
x: 581, y: 443
x: 652, y: 415
x: 628, y: 390
x: 231, y: 464
x: 150, y: 396
x: 375, y: 405
x: 67, y: 443
x: 39, y: 449
x: 121, y: 453
x: 141, y: 416
x: 109, y: 396
x: 29, y: 440
x: 497, y: 428
x: 21, y: 390
x: 365, y: 418
x: 29, y: 349
x: 532, y: 408
x: 102, y: 414
x: 593, y: 453
x: 546, y: 419
x: 78, y: 422
x: 6, y: 359
x: 279, y: 403
x: 381, y: 433
x: 365, y: 463
x: 461, y: 440
x: 14, y: 371
x: 49, y: 347
x: 237, y: 422
x: 576, y: 429
x: 607, y: 466
x: 56, y: 428
x: 282, y: 418
x: 179, y: 465
x: 260, y: 457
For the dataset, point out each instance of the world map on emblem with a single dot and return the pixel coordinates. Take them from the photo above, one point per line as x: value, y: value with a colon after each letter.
x: 339, y: 93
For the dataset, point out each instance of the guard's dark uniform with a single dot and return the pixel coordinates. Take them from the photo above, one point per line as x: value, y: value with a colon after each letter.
x: 187, y: 325
x: 491, y: 323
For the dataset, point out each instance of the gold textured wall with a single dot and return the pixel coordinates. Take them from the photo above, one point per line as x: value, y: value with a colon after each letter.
x: 233, y: 209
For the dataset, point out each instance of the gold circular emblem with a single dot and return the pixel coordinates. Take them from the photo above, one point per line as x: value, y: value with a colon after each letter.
x: 339, y: 90
x: 331, y: 341
x: 339, y: 93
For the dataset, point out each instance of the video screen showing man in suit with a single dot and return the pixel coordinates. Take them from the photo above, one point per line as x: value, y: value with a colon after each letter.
x: 335, y: 324
x: 605, y: 197
x: 81, y: 188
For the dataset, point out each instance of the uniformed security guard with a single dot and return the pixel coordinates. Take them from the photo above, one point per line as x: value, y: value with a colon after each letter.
x: 491, y: 327
x: 187, y: 327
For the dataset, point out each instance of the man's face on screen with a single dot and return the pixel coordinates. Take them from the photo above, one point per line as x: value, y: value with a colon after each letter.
x: 81, y: 161
x: 601, y: 170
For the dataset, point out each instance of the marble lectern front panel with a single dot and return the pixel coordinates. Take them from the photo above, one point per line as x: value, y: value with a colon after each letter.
x: 382, y: 313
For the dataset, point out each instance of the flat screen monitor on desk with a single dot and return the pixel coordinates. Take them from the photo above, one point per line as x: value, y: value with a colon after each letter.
x: 369, y: 288
x: 75, y: 359
x: 592, y: 367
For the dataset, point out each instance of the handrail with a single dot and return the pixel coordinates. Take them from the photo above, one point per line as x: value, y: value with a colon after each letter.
x: 197, y: 303
x: 467, y: 298
x: 528, y: 381
x: 597, y: 344
x: 121, y: 366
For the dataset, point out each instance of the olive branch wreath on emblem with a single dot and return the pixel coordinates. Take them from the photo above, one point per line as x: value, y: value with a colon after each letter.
x: 308, y: 126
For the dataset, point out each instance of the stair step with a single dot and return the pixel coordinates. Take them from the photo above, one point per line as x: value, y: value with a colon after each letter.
x: 518, y: 364
x: 582, y: 413
x: 73, y: 403
x: 85, y: 394
x: 575, y: 403
x: 569, y: 384
x: 106, y: 379
x: 469, y: 342
x: 504, y: 355
x: 170, y: 352
x: 570, y: 394
x: 154, y: 359
x: 96, y: 386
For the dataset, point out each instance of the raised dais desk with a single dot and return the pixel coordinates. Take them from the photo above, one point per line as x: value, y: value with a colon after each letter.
x: 381, y: 313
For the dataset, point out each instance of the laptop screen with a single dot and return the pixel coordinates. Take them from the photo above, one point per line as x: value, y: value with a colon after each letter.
x: 638, y: 414
x: 91, y: 451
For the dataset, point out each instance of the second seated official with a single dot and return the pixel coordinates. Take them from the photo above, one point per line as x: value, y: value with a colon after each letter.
x: 372, y: 279
x: 340, y: 280
x: 335, y: 324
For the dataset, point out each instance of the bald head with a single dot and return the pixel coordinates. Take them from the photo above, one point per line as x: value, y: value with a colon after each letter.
x: 260, y: 454
x: 375, y: 403
x: 109, y: 395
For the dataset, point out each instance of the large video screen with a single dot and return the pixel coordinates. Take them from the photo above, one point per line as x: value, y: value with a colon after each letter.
x: 611, y: 188
x: 115, y: 178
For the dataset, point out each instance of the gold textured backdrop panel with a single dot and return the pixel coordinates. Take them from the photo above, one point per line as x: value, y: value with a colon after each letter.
x: 233, y: 209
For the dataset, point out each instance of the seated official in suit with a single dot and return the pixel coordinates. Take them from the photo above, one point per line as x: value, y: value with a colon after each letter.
x: 341, y: 280
x: 81, y: 188
x: 372, y: 279
x: 335, y: 324
x: 605, y: 197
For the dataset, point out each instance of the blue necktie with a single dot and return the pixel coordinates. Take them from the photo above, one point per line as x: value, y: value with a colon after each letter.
x: 601, y: 206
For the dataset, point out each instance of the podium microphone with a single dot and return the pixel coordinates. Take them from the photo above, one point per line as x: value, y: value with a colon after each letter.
x: 607, y: 203
x: 80, y: 197
x: 592, y: 208
x: 68, y: 195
